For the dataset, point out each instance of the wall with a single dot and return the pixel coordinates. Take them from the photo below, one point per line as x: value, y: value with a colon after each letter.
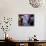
x: 11, y: 8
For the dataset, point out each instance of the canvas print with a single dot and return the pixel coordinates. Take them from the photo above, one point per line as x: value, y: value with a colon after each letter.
x: 26, y: 19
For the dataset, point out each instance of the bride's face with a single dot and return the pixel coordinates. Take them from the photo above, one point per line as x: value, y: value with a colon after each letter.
x: 35, y: 3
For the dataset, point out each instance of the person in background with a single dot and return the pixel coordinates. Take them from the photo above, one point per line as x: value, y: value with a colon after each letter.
x: 31, y: 20
x: 20, y: 20
x: 25, y: 20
